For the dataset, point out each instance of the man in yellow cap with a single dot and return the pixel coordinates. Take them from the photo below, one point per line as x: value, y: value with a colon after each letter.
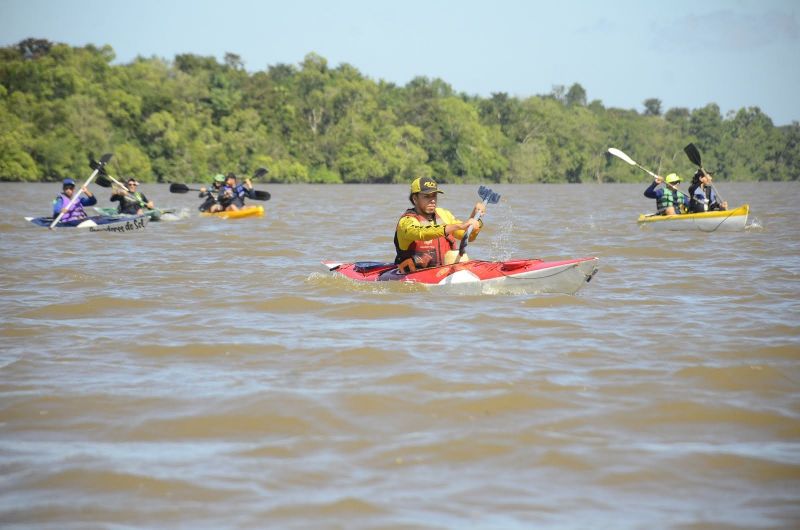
x: 669, y: 199
x: 426, y: 233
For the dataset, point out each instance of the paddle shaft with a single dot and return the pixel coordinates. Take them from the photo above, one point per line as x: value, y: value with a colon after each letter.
x: 129, y: 192
x: 625, y: 158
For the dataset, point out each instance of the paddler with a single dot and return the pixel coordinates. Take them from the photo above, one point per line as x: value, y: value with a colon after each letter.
x: 232, y: 195
x: 704, y: 196
x: 76, y: 211
x: 211, y: 195
x: 428, y: 236
x: 669, y: 199
x: 132, y: 201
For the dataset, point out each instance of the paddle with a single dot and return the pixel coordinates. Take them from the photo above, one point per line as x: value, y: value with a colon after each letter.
x: 256, y: 194
x: 97, y: 166
x: 625, y: 158
x: 105, y: 180
x: 694, y: 155
x: 489, y: 197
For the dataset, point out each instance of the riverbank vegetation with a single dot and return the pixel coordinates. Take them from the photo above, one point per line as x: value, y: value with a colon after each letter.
x: 191, y: 117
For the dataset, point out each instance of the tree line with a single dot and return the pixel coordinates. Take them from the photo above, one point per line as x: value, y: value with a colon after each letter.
x: 192, y: 117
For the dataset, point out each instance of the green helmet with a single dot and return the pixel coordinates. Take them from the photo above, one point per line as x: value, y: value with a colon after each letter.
x: 219, y: 177
x: 672, y: 177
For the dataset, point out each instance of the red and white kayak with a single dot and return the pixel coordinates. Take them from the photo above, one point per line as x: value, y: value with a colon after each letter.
x: 524, y: 275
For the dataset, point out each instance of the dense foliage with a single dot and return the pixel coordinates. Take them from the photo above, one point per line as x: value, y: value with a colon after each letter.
x: 190, y: 118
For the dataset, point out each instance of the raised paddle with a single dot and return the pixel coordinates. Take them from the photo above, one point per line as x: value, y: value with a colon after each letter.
x: 694, y: 155
x: 97, y: 166
x: 625, y: 158
x: 183, y: 188
x: 489, y: 197
x: 176, y: 187
x: 105, y: 180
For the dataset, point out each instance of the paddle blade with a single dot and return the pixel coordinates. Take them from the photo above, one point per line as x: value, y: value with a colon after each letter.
x: 260, y: 172
x: 178, y: 188
x: 103, y: 180
x: 488, y: 195
x: 261, y: 195
x: 622, y: 156
x: 694, y: 154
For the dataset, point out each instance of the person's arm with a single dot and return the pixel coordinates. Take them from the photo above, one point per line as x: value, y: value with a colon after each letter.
x: 146, y: 202
x: 88, y: 198
x: 715, y: 204
x: 651, y: 192
x: 58, y: 204
x: 409, y: 229
x: 457, y: 228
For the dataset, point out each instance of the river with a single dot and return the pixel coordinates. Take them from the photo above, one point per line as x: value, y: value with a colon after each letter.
x: 211, y: 374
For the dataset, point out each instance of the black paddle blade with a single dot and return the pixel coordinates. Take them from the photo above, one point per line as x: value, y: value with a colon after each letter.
x: 178, y: 188
x: 260, y: 172
x: 261, y: 195
x: 488, y: 195
x: 103, y: 180
x: 694, y: 154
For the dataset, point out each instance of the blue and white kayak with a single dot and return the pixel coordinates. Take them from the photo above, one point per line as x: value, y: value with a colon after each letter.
x: 97, y: 223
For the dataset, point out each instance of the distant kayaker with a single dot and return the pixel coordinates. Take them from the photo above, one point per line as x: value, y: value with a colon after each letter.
x: 232, y: 195
x: 76, y: 211
x: 211, y: 194
x: 704, y: 196
x: 425, y: 233
x: 132, y: 201
x: 669, y: 199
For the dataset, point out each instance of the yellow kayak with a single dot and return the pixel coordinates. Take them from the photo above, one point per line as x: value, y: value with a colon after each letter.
x: 727, y: 220
x: 247, y: 211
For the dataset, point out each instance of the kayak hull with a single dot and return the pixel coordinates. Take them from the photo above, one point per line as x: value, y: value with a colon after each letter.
x: 154, y: 215
x: 98, y: 223
x: 726, y: 220
x: 528, y: 276
x: 247, y: 211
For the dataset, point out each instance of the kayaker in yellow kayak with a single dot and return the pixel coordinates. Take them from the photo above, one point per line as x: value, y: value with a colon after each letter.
x: 704, y: 196
x: 669, y: 199
x: 131, y: 202
x: 426, y: 233
x: 232, y: 195
x: 211, y: 194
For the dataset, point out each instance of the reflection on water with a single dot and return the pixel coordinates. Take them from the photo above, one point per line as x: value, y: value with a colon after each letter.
x: 212, y: 374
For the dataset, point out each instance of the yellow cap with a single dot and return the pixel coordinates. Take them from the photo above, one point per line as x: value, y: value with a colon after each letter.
x: 425, y: 185
x: 672, y: 177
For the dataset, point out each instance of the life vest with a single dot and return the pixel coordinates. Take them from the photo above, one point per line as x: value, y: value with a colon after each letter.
x: 670, y: 198
x: 75, y: 212
x: 435, y: 248
x: 131, y: 203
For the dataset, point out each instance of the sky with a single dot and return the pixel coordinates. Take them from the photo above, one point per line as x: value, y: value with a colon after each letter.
x: 686, y: 53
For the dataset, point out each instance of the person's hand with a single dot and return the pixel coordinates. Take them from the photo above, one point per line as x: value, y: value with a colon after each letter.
x: 658, y: 179
x: 471, y: 222
x: 86, y: 191
x: 724, y: 205
x: 480, y: 208
x: 203, y: 189
x: 248, y: 184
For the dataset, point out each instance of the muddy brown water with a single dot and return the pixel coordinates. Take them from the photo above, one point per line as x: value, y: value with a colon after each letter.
x: 211, y: 374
